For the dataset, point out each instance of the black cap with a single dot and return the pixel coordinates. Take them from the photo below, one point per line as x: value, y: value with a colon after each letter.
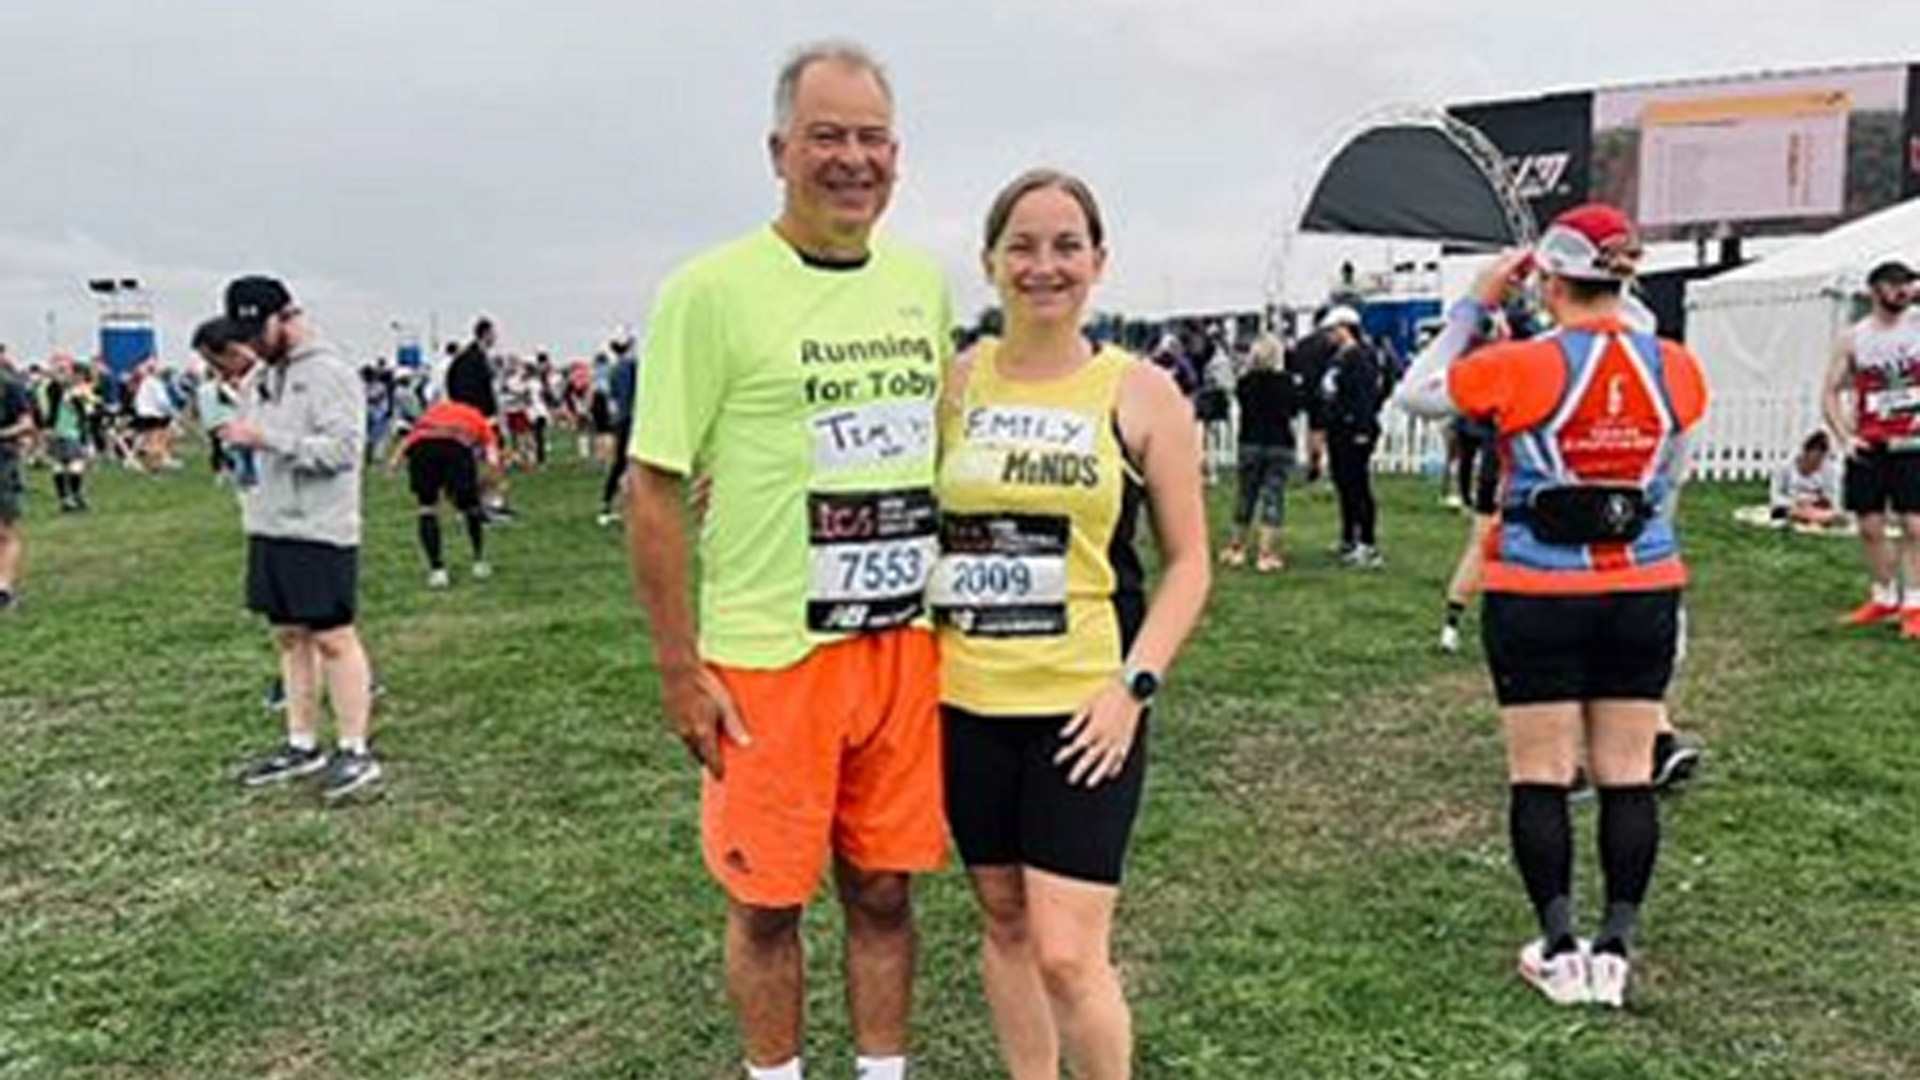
x: 252, y: 300
x: 1892, y: 272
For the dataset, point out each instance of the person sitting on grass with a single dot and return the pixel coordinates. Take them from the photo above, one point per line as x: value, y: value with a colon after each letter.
x: 1806, y: 490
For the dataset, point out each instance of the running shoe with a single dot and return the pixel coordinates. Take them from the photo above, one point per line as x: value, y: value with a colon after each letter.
x: 1871, y: 612
x: 607, y: 518
x: 482, y: 570
x: 1452, y: 501
x: 1562, y: 978
x: 438, y: 579
x: 1607, y: 974
x: 1676, y: 766
x: 288, y: 762
x: 1269, y: 564
x: 1233, y: 555
x: 350, y: 773
x: 1449, y: 639
x: 1366, y: 557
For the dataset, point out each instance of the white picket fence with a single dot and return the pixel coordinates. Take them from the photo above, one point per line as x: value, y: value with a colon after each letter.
x: 1745, y: 436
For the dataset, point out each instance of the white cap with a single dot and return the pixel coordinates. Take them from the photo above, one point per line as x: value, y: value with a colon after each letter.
x: 1340, y: 315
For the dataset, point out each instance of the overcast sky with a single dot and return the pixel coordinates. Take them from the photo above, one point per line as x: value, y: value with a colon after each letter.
x: 546, y: 162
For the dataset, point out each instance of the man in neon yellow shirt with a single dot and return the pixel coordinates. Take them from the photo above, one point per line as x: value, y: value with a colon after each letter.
x: 798, y: 368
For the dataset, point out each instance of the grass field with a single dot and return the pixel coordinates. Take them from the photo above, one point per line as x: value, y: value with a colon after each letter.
x: 1320, y: 884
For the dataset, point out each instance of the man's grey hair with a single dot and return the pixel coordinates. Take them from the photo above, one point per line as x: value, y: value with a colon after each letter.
x: 837, y: 51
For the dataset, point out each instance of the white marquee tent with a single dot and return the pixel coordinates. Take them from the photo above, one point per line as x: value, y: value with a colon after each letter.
x: 1766, y: 331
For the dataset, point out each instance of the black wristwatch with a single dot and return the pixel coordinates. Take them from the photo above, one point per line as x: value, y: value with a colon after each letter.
x: 1141, y: 683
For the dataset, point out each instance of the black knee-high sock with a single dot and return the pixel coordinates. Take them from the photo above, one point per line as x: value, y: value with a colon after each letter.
x: 477, y: 533
x: 430, y: 540
x: 76, y: 481
x: 60, y: 486
x: 1629, y: 844
x: 1542, y: 835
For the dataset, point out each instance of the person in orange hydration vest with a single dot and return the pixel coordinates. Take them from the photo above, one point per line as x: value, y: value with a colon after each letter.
x: 1581, y: 616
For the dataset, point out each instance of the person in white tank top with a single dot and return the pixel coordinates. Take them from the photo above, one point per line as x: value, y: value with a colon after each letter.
x: 1872, y: 402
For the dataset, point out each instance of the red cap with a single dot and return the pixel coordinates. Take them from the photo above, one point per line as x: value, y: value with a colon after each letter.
x: 1593, y: 242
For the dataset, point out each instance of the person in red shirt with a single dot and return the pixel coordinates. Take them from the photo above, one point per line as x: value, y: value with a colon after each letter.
x: 1583, y: 576
x: 1877, y: 364
x: 440, y: 452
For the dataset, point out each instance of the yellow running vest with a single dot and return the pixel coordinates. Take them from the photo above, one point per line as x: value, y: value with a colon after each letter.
x: 1038, y: 591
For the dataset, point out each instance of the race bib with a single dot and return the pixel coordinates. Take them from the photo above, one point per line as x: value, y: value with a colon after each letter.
x: 1898, y: 402
x: 1002, y: 575
x: 871, y: 554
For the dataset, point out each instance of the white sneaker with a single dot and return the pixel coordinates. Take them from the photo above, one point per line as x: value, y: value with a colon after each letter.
x: 605, y: 520
x: 1607, y: 979
x: 438, y: 579
x: 482, y: 570
x: 1562, y: 979
x: 1450, y: 639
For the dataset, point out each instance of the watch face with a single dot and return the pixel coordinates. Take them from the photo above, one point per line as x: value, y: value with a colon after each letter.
x: 1144, y: 684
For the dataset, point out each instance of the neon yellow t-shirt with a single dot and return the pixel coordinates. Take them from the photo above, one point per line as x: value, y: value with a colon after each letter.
x: 807, y: 393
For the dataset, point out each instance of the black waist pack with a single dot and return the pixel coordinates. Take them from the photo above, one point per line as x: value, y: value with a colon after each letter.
x: 1584, y: 514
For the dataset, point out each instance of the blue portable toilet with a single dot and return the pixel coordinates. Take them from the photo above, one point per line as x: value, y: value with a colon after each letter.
x: 126, y: 343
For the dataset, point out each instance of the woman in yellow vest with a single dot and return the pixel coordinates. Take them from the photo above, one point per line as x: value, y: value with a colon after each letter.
x: 1050, y: 650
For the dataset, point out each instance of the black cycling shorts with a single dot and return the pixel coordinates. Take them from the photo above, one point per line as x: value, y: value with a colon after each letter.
x: 1606, y: 647
x: 1880, y: 478
x: 1009, y: 804
x: 302, y: 583
x: 443, y: 465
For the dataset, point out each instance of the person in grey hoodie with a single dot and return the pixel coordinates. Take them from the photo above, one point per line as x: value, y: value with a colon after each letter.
x: 304, y: 418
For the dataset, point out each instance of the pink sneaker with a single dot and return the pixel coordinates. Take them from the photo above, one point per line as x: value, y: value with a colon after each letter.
x: 1607, y: 979
x: 1563, y: 979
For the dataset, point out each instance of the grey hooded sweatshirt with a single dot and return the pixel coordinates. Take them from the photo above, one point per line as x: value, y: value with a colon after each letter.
x: 314, y: 416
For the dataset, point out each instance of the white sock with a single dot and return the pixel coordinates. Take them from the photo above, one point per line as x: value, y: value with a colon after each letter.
x: 880, y: 1068
x: 789, y: 1071
x: 353, y: 746
x: 302, y: 740
x: 1886, y: 593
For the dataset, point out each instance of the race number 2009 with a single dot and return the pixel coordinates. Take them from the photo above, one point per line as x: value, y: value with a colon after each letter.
x: 871, y: 553
x: 1002, y: 575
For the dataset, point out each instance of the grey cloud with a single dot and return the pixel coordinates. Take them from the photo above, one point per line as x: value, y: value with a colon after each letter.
x: 547, y: 162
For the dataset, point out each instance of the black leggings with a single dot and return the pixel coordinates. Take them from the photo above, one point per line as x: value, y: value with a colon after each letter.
x: 1349, y: 456
x: 618, y: 467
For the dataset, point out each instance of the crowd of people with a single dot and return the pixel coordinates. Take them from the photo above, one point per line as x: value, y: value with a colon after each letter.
x: 913, y: 611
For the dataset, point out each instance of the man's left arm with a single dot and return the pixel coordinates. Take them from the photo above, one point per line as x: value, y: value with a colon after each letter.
x: 332, y: 439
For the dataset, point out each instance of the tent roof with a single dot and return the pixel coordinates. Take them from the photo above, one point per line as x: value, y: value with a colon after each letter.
x: 1841, y: 254
x: 1408, y: 179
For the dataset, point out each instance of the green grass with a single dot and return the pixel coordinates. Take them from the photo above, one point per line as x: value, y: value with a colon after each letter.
x: 1320, y: 884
